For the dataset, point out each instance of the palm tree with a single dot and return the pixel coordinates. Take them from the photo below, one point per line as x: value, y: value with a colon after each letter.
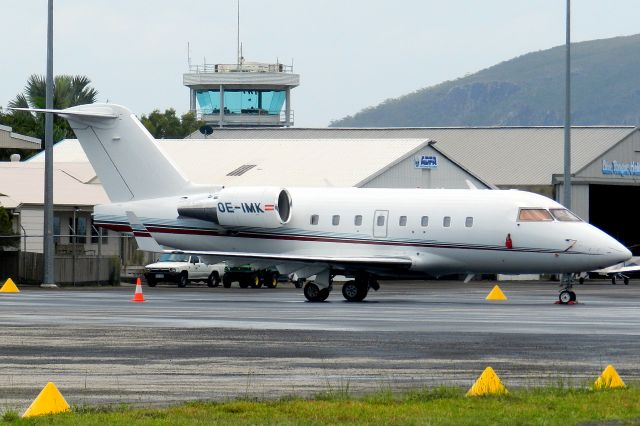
x: 68, y: 91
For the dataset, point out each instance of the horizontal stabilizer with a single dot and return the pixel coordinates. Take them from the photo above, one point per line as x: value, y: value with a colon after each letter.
x: 98, y: 112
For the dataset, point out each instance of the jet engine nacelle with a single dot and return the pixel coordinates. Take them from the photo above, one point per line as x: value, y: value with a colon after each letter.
x: 260, y: 207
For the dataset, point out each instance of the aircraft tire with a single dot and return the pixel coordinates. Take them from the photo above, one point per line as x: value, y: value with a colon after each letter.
x: 183, y: 280
x: 573, y: 296
x: 353, y: 291
x: 613, y: 280
x: 626, y: 281
x: 313, y: 293
x: 565, y: 297
x: 581, y: 280
x: 151, y: 281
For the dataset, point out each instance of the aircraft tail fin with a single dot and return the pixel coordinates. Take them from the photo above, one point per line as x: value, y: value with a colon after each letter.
x: 127, y: 159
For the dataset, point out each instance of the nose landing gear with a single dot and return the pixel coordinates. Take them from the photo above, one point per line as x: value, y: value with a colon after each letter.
x: 567, y: 296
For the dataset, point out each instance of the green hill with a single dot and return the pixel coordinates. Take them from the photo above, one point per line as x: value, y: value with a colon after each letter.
x: 527, y: 90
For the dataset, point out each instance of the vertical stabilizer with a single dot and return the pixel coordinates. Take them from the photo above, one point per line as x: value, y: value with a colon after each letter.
x: 127, y: 159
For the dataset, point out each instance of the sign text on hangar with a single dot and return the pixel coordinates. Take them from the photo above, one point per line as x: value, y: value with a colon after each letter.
x: 621, y: 169
x: 426, y: 162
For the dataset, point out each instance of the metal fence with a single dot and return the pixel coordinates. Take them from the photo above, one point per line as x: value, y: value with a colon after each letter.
x: 27, y: 268
x: 74, y: 263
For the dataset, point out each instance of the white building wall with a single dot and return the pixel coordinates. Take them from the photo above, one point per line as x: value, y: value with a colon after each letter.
x: 32, y: 220
x: 404, y: 174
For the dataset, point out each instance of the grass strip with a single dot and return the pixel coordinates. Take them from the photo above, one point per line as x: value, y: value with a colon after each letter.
x: 438, y: 406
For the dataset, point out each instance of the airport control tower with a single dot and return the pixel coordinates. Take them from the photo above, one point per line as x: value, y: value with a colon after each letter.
x: 246, y: 94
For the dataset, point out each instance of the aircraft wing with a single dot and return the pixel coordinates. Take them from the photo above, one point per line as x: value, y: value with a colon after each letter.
x: 148, y: 243
x: 353, y: 261
x: 624, y: 269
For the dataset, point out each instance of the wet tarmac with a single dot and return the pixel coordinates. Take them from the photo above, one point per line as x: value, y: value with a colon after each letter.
x: 203, y: 343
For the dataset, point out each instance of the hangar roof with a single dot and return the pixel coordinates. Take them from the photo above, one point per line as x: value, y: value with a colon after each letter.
x: 244, y: 162
x: 499, y: 155
x: 9, y: 139
x: 23, y: 183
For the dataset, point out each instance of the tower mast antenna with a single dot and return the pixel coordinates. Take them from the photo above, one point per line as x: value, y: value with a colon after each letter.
x: 238, y: 40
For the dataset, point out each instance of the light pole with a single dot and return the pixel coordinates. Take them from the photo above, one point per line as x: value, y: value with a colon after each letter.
x: 567, y: 114
x: 48, y: 280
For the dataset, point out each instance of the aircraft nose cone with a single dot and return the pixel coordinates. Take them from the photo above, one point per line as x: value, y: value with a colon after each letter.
x: 622, y: 253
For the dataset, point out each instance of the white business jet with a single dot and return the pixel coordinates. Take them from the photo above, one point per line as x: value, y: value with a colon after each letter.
x: 366, y: 234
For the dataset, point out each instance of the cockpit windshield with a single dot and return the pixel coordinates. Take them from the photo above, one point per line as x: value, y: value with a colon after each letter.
x: 564, y: 215
x: 534, y: 215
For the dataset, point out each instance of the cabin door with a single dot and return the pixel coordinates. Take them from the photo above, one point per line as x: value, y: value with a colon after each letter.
x: 380, y: 223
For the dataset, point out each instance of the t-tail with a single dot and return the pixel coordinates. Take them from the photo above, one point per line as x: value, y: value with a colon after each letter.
x: 125, y: 156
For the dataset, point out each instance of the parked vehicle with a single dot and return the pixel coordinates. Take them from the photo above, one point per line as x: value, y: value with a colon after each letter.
x: 182, y: 269
x: 246, y: 277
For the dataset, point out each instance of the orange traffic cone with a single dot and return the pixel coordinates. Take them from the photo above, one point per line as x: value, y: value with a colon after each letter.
x: 138, y: 296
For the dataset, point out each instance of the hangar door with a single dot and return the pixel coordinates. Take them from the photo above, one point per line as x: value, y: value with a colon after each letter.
x: 612, y: 209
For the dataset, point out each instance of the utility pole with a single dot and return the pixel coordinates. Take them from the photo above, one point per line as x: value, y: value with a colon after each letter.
x: 48, y: 279
x: 567, y: 114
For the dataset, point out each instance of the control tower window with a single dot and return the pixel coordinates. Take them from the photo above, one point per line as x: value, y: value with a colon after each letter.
x: 258, y: 102
x: 534, y: 215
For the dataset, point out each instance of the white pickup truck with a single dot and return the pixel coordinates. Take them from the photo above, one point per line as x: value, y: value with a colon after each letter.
x: 181, y: 269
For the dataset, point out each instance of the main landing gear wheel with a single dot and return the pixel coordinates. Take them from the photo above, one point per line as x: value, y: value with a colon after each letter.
x: 313, y: 293
x: 151, y: 281
x: 354, y: 292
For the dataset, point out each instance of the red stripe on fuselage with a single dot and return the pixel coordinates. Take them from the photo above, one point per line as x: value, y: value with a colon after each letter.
x: 235, y: 234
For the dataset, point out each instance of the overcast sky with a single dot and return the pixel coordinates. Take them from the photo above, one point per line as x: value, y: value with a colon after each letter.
x: 349, y: 54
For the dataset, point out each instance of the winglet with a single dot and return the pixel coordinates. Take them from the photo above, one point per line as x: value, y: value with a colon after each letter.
x: 144, y: 239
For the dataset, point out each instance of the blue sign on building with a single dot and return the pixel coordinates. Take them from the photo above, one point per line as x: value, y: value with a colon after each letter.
x: 621, y: 169
x: 426, y: 162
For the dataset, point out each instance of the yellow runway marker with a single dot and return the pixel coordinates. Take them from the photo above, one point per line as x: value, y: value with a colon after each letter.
x: 49, y: 401
x: 496, y: 294
x: 9, y: 287
x: 609, y: 379
x: 487, y: 384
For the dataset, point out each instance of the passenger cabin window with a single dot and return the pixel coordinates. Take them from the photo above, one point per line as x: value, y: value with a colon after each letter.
x: 468, y: 222
x: 357, y: 220
x: 564, y: 215
x: 446, y: 221
x: 534, y: 215
x: 403, y: 221
x: 335, y: 220
x: 380, y: 220
x: 424, y: 221
x: 315, y: 219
